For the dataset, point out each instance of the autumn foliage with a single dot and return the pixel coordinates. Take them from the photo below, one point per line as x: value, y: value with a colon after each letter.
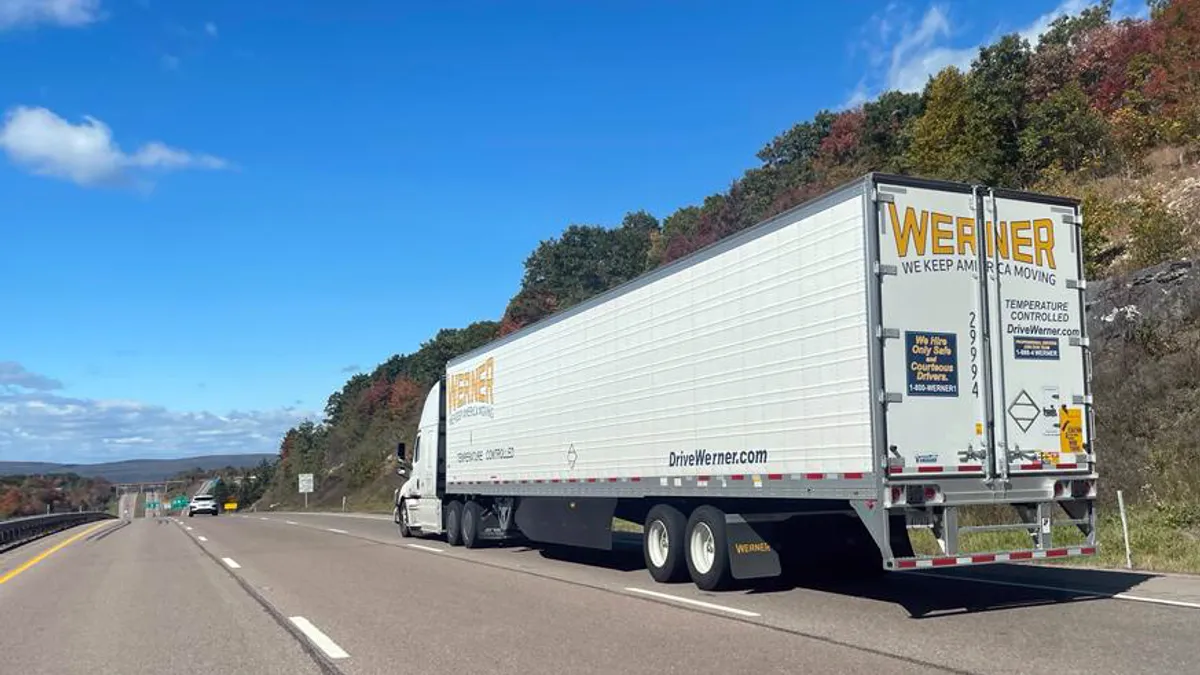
x: 1091, y: 99
x: 35, y: 495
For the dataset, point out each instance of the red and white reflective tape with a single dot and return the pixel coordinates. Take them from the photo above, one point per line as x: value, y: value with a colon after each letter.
x: 732, y: 480
x: 984, y: 558
x: 544, y: 481
x: 976, y: 468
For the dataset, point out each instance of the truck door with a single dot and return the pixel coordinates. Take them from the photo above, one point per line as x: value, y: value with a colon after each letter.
x: 425, y: 509
x: 1040, y: 381
x: 931, y: 309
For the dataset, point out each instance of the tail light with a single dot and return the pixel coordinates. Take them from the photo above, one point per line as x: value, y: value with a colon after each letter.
x: 1083, y: 488
x: 915, y: 495
x: 1079, y: 489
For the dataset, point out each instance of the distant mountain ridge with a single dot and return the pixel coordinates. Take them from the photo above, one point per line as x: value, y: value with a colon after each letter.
x: 136, y: 470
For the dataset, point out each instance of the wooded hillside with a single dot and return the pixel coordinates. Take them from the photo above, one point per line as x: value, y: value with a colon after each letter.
x: 1105, y: 110
x: 60, y: 493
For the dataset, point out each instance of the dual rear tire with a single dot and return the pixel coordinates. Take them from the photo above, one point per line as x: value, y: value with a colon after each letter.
x: 674, y: 546
x: 462, y: 523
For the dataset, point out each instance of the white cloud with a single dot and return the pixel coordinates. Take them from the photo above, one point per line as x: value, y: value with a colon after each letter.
x: 857, y: 97
x: 36, y: 425
x: 916, y: 51
x: 13, y: 374
x: 211, y: 29
x: 45, y: 144
x: 67, y: 13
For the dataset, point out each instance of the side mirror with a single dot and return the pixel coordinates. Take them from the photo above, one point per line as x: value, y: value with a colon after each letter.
x: 400, y: 451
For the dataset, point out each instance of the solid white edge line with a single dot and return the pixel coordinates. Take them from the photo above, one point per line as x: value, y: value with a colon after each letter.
x: 202, y: 538
x: 331, y: 648
x: 231, y: 562
x: 291, y: 522
x: 689, y: 601
x: 427, y: 548
x: 1061, y: 589
x: 334, y: 529
x: 261, y: 518
x: 1157, y: 601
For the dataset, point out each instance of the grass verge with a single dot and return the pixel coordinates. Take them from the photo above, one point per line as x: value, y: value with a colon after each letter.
x: 1157, y: 543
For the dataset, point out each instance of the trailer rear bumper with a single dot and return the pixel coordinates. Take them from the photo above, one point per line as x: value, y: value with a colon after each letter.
x: 928, y: 562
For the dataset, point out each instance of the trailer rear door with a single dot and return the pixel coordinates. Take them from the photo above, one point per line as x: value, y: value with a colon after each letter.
x: 932, y: 325
x: 1038, y: 335
x: 942, y: 371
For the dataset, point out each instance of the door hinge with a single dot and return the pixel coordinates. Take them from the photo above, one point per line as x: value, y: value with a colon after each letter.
x: 1077, y: 341
x: 1077, y: 399
x: 891, y: 397
x: 886, y: 270
x: 884, y: 197
x: 1077, y: 284
x: 887, y: 333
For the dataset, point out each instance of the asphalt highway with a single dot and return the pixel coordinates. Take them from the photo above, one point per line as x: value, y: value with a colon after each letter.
x: 301, y: 593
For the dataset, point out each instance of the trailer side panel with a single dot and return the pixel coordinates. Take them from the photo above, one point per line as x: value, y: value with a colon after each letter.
x: 741, y: 366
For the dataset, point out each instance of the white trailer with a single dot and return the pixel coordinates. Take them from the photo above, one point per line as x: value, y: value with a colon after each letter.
x: 812, y: 386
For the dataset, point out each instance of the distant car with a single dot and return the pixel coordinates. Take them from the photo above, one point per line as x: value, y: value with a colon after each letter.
x: 203, y: 504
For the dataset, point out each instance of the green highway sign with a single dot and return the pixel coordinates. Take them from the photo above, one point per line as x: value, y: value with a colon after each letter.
x: 152, y: 505
x: 179, y: 502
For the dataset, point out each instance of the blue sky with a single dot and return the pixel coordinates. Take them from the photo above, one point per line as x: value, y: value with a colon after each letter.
x: 212, y: 210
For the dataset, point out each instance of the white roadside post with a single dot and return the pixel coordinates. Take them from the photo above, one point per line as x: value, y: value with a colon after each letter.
x: 306, y: 486
x: 1125, y: 530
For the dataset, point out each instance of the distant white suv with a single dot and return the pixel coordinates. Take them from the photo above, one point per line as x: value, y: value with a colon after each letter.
x: 202, y: 504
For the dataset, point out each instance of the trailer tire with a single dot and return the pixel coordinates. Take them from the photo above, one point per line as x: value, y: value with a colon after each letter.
x: 453, y: 515
x: 707, y: 549
x: 662, y: 544
x: 471, y: 515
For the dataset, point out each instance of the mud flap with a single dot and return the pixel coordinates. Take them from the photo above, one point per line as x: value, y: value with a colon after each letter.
x: 752, y: 554
x: 582, y: 522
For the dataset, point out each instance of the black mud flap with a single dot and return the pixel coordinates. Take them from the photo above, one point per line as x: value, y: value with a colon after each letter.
x: 585, y: 522
x: 751, y: 552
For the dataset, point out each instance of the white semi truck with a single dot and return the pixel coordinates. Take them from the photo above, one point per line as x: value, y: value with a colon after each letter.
x: 813, y: 386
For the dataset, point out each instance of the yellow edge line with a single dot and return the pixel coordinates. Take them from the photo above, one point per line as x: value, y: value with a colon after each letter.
x: 45, y: 554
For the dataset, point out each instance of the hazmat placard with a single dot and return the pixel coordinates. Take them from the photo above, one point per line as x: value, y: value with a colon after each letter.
x: 1070, y: 430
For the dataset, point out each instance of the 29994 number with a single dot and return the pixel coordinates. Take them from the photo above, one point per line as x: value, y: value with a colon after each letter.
x: 974, y: 356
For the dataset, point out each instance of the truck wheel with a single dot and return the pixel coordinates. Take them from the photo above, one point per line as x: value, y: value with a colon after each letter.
x: 707, y: 549
x: 453, y: 529
x: 662, y: 543
x: 402, y: 512
x: 471, y: 516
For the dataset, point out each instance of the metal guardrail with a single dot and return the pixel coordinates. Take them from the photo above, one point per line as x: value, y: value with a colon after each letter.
x: 17, y: 531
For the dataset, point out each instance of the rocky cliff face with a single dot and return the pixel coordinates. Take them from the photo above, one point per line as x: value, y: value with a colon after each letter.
x: 1145, y: 335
